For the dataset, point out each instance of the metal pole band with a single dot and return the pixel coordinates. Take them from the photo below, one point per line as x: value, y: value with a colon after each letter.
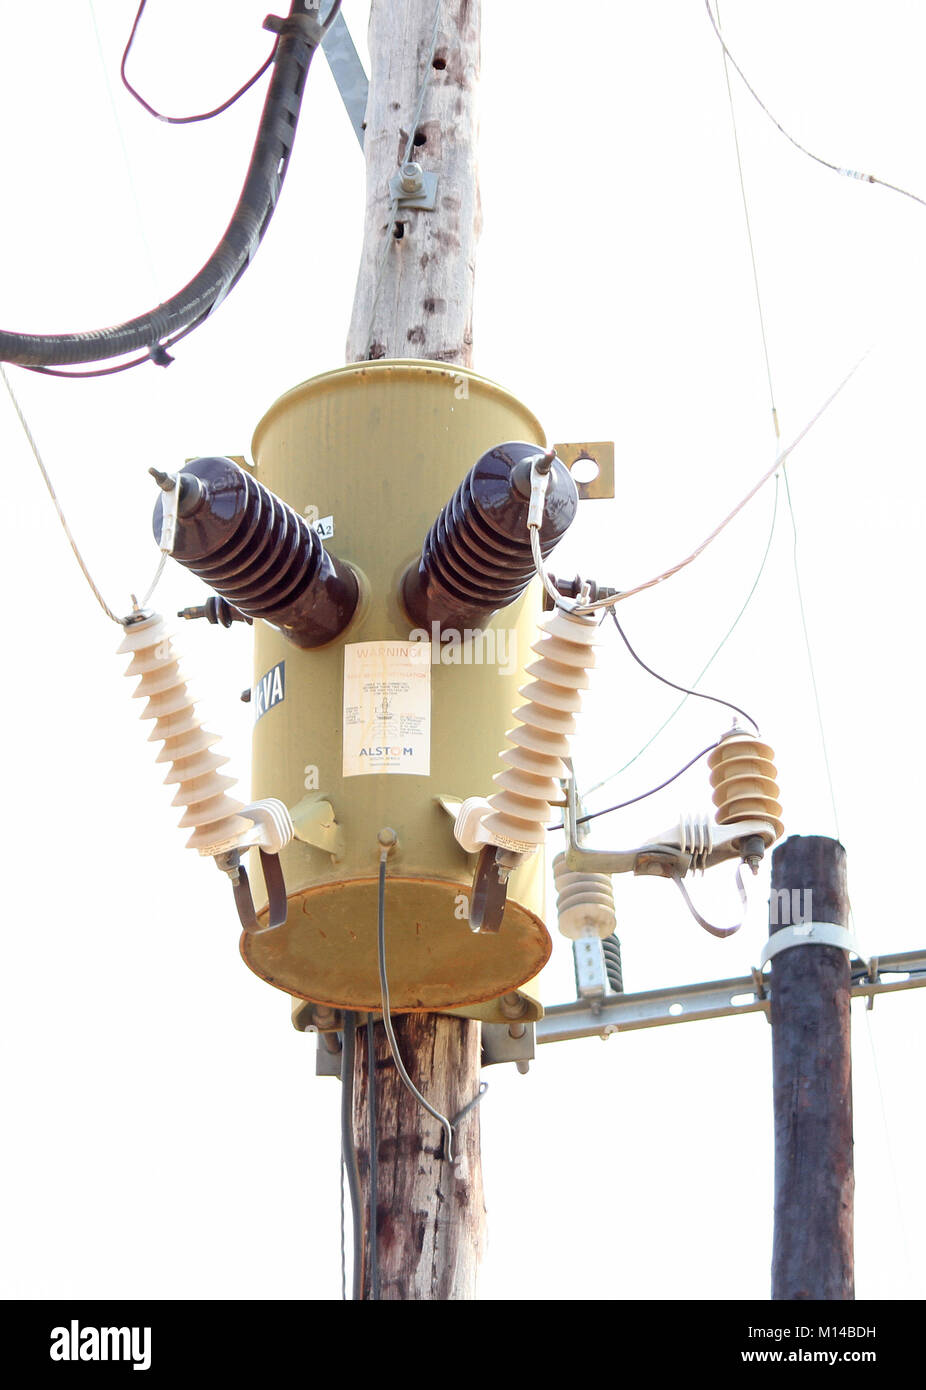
x: 810, y: 934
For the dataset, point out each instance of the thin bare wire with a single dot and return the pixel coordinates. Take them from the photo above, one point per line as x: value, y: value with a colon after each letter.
x: 769, y: 473
x: 810, y: 661
x: 755, y: 275
x: 752, y: 248
x: 846, y: 173
x: 143, y: 235
x: 698, y: 694
x: 54, y: 497
x: 707, y: 665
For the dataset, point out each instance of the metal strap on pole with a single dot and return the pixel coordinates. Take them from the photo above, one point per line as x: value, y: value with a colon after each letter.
x: 810, y: 934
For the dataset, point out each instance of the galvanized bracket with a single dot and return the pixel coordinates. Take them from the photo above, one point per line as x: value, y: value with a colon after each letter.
x: 689, y: 845
x: 414, y: 187
x: 692, y: 1003
x: 328, y: 1055
x: 508, y: 1042
x: 602, y: 454
x: 347, y: 71
x: 810, y: 934
x: 314, y: 823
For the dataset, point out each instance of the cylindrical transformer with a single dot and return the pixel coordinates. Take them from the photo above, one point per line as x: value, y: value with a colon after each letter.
x: 477, y: 556
x: 386, y: 725
x: 257, y: 553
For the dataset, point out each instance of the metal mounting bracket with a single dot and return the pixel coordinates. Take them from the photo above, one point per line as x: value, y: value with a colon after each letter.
x: 314, y: 823
x: 600, y: 453
x: 414, y: 187
x: 811, y: 934
x: 347, y: 71
x: 508, y: 1042
x: 691, y: 844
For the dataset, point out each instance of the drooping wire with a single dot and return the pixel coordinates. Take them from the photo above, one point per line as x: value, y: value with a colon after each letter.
x: 374, y: 1162
x: 707, y: 665
x: 698, y: 694
x: 185, y: 120
x: 846, y: 173
x: 593, y: 815
x: 752, y: 248
x: 104, y: 68
x: 810, y: 661
x: 387, y: 1020
x: 152, y: 333
x: 54, y: 497
x: 160, y: 354
x: 755, y: 276
x: 769, y: 473
x: 348, y: 1147
x: 343, y: 1250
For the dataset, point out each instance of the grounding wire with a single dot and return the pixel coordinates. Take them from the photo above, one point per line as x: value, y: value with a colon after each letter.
x: 593, y: 815
x: 409, y: 146
x: 374, y: 1161
x: 343, y: 1251
x: 846, y: 173
x: 707, y: 665
x: 387, y: 1021
x: 698, y: 694
x: 348, y: 1147
x: 54, y: 497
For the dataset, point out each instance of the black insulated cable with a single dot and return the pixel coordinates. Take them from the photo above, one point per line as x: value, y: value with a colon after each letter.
x: 374, y: 1162
x: 349, y: 1148
x: 299, y: 35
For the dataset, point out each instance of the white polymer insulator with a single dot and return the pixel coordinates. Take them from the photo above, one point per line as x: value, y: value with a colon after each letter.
x: 530, y: 782
x: 212, y: 815
x: 584, y: 902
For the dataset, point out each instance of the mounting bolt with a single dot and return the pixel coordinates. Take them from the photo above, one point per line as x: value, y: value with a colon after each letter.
x: 387, y: 839
x: 411, y: 180
x: 513, y: 1005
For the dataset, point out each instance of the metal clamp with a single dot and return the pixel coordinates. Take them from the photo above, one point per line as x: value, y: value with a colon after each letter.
x: 414, y: 187
x: 809, y: 934
x: 230, y: 863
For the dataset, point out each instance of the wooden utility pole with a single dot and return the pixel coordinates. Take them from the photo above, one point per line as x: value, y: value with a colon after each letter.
x: 812, y: 1077
x: 414, y: 299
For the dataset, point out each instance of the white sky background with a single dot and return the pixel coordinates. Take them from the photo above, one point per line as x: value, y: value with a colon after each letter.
x: 166, y: 1136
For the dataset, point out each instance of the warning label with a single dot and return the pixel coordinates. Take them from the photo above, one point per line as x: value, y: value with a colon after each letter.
x: 387, y: 708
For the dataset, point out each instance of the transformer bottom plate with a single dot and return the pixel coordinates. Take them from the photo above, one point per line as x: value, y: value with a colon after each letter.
x: 326, y: 949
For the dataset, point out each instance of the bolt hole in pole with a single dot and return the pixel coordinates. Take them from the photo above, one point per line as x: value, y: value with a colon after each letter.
x: 585, y: 470
x: 399, y: 231
x: 439, y: 64
x: 420, y: 139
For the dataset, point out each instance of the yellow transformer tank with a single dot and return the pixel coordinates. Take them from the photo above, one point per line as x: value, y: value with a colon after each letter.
x: 383, y: 727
